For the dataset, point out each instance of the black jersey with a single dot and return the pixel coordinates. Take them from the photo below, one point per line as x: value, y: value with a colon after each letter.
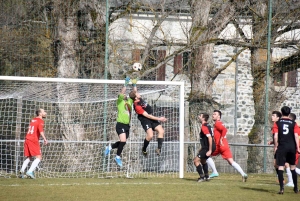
x: 140, y: 106
x: 206, y: 129
x: 286, y: 135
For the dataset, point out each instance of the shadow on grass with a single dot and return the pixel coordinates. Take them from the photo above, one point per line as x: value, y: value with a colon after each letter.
x: 190, y: 179
x: 256, y: 189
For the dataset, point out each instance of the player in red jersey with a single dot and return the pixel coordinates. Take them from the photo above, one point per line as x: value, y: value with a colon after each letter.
x: 149, y: 122
x: 286, y: 144
x: 276, y: 115
x: 31, y: 145
x: 222, y: 146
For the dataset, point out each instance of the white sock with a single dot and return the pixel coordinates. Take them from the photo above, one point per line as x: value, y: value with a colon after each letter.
x: 289, y: 175
x: 34, y: 165
x: 297, y: 171
x: 25, y: 163
x: 118, y: 156
x: 238, y: 168
x: 212, y: 165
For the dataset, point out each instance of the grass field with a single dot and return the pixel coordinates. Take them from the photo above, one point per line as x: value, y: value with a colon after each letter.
x: 226, y: 187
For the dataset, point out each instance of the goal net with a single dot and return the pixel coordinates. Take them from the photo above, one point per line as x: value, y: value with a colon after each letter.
x: 80, y: 123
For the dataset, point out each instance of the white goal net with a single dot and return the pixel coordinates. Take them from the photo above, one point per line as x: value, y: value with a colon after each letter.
x: 80, y: 123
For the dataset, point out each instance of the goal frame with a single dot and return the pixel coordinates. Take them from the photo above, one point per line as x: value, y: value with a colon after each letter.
x: 141, y: 82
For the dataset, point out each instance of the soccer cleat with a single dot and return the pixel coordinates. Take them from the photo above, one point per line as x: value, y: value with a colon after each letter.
x: 207, y: 178
x: 245, y: 177
x: 158, y: 151
x: 281, y: 191
x: 107, y: 150
x: 212, y: 175
x: 30, y: 175
x: 201, y: 179
x: 296, y: 190
x: 118, y: 161
x: 145, y: 154
x: 21, y: 175
x: 290, y: 184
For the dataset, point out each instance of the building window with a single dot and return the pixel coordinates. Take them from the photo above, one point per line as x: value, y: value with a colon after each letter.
x: 288, y: 79
x: 153, y: 59
x: 182, y: 62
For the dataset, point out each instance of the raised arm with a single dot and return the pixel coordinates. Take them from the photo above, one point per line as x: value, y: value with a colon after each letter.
x: 150, y: 116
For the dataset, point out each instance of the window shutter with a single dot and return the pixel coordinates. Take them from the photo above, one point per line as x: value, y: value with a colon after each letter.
x: 177, y: 63
x: 292, y: 78
x: 161, y: 71
x: 136, y: 55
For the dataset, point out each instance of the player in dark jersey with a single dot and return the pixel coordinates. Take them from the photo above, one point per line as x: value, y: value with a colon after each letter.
x: 208, y: 146
x: 290, y: 183
x: 276, y: 115
x: 149, y: 122
x: 286, y: 144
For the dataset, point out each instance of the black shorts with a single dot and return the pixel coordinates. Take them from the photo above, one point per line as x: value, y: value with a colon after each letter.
x: 285, y: 155
x: 123, y: 128
x: 202, y: 152
x: 148, y: 123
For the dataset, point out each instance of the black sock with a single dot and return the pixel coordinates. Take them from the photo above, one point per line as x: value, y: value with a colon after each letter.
x: 146, y: 143
x: 120, y: 148
x: 115, y: 145
x: 199, y: 170
x: 280, y: 177
x: 160, y: 142
x: 295, y: 178
x: 276, y: 171
x: 205, y: 169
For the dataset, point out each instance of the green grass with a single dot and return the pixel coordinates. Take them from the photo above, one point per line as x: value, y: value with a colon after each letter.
x: 226, y: 187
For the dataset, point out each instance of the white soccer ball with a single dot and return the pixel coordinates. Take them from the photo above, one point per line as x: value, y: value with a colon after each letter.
x: 137, y: 67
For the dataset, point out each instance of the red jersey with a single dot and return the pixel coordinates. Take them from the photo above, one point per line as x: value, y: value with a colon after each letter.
x: 273, y: 128
x: 35, y: 128
x: 220, y: 131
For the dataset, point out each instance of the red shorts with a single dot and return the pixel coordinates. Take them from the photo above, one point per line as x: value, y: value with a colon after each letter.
x: 223, y: 150
x: 32, y: 148
x: 297, y: 158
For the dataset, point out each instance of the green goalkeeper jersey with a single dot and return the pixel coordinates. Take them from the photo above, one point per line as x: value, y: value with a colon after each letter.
x: 124, y: 109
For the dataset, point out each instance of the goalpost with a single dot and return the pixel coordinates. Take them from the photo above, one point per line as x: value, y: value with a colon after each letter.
x: 81, y: 119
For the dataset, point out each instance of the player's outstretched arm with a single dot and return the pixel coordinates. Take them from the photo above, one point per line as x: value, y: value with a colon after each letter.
x: 134, y: 82
x: 123, y: 90
x: 150, y: 116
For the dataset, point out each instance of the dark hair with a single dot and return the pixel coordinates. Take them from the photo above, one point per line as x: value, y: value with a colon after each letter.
x: 38, y: 111
x: 132, y: 95
x: 292, y: 116
x: 278, y: 114
x: 218, y: 111
x: 205, y: 116
x: 285, y: 110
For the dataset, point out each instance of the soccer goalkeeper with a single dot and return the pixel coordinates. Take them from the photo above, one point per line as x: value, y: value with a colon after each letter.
x: 124, y: 105
x: 149, y: 122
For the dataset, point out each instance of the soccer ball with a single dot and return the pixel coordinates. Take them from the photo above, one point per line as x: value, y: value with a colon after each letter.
x: 137, y: 67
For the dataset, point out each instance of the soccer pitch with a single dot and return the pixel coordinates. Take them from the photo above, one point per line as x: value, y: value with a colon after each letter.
x: 225, y: 187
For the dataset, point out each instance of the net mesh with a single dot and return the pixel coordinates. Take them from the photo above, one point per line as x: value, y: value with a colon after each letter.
x: 80, y: 123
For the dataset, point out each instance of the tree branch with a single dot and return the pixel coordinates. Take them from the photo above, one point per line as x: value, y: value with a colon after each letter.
x: 240, y: 31
x: 216, y: 72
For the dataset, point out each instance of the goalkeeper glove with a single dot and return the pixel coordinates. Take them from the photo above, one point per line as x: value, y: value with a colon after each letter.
x: 127, y: 80
x: 134, y: 81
